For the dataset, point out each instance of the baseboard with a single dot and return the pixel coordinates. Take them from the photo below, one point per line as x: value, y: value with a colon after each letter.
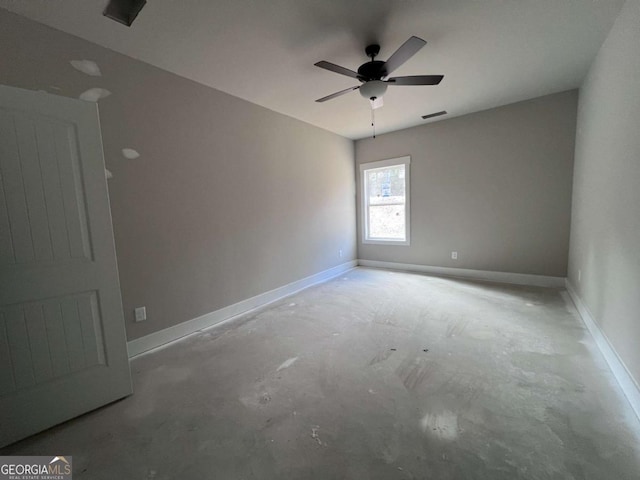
x: 617, y: 366
x: 500, y: 277
x: 177, y: 332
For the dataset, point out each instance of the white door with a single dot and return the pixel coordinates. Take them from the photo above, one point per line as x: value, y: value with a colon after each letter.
x: 62, y: 340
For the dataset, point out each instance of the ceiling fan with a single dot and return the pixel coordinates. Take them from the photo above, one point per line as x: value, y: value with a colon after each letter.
x: 374, y: 74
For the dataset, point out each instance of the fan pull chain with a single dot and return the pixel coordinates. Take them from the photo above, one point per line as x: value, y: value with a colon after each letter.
x: 373, y: 120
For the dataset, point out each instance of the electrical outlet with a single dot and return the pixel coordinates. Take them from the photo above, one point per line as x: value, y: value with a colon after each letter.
x: 340, y: 253
x: 141, y: 314
x: 454, y: 255
x: 579, y: 275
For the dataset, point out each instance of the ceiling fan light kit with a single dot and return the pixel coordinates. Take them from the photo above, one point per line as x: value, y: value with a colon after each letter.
x: 373, y: 89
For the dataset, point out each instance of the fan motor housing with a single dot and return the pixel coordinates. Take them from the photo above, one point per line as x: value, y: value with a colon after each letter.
x: 373, y: 70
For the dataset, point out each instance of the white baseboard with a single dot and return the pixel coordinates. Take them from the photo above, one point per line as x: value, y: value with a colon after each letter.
x: 617, y: 366
x: 176, y: 332
x: 500, y: 277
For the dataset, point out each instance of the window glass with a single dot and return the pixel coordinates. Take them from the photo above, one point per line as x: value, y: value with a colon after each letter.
x: 385, y: 209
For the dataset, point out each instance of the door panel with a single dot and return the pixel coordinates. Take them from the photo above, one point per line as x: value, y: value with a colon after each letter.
x: 62, y: 341
x: 41, y: 181
x: 50, y: 339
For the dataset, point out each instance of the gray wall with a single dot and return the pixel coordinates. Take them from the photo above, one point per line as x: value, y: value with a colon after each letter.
x: 227, y: 200
x: 605, y: 222
x: 495, y: 186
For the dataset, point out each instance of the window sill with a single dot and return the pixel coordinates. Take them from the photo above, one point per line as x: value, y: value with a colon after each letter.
x: 403, y: 243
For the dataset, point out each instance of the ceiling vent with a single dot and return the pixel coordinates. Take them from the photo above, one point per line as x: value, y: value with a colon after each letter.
x: 124, y: 11
x: 431, y: 115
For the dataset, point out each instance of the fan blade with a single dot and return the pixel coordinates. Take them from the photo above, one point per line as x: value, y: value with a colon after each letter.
x: 336, y: 68
x: 404, y: 53
x: 416, y: 80
x: 337, y: 94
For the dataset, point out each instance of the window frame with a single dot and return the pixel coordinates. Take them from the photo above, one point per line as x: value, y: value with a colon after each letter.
x: 364, y: 204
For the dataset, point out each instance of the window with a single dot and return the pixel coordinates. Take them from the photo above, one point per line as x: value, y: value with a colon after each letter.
x: 385, y: 201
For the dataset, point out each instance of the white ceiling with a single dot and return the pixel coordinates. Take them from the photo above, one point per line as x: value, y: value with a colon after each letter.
x: 491, y: 52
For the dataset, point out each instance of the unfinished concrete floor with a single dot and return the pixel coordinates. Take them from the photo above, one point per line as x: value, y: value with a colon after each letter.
x: 374, y: 375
